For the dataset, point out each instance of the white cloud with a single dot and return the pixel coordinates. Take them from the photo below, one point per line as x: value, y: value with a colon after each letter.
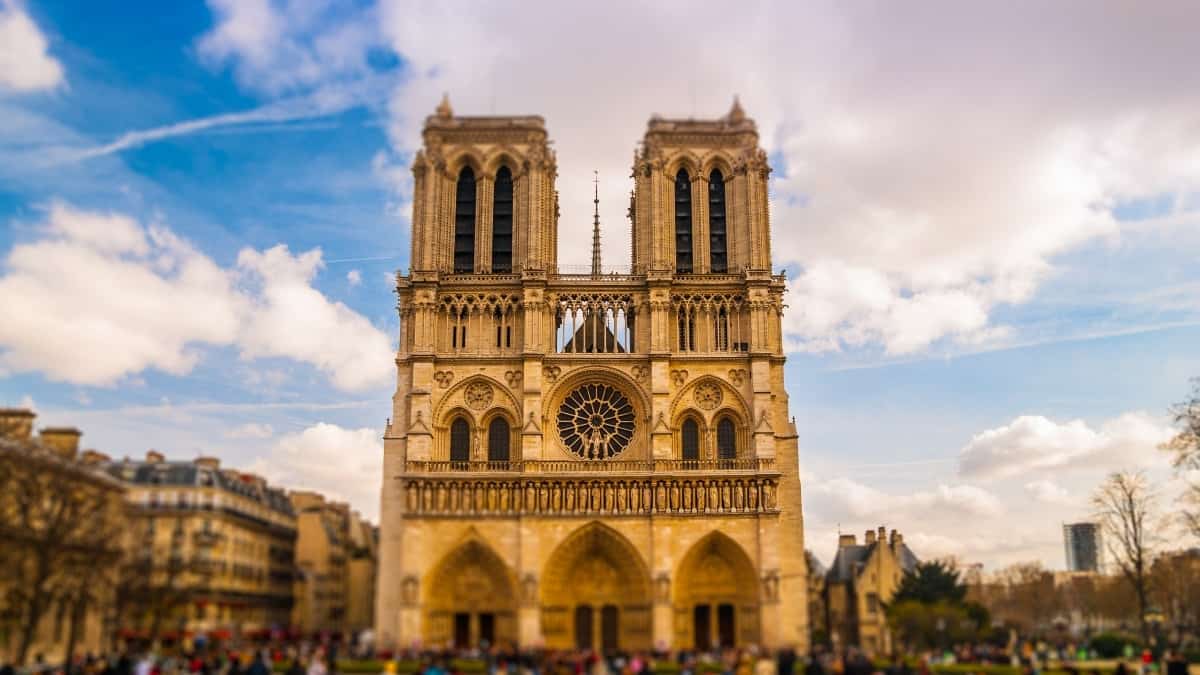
x: 354, y: 277
x: 251, y: 430
x: 25, y: 61
x: 1049, y: 492
x: 344, y: 464
x: 1034, y: 443
x: 864, y: 502
x: 292, y: 319
x: 288, y: 46
x: 99, y: 297
x: 929, y: 171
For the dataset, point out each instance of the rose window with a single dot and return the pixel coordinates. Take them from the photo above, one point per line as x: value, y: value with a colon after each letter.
x: 596, y: 421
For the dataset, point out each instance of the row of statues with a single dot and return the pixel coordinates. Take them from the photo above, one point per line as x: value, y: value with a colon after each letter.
x: 465, y: 496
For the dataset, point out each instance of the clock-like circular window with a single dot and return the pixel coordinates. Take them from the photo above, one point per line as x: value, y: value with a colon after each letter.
x: 596, y: 421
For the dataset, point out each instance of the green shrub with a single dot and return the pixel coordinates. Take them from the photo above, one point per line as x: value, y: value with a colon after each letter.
x: 1111, y: 645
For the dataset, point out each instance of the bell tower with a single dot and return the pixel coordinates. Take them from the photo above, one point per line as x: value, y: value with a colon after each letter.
x: 483, y: 195
x: 700, y: 197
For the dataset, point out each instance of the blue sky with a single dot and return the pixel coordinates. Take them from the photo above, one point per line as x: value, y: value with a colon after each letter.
x: 992, y: 242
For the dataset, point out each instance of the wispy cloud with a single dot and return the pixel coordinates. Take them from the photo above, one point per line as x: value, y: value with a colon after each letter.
x: 325, y: 102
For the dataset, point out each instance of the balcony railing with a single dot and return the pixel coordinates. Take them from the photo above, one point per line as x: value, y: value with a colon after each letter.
x: 752, y: 464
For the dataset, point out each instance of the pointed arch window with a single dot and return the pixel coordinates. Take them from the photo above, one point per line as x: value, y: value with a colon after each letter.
x: 689, y: 441
x: 502, y: 222
x: 498, y: 440
x: 683, y: 223
x: 464, y: 222
x: 718, y: 244
x: 460, y: 440
x: 726, y: 439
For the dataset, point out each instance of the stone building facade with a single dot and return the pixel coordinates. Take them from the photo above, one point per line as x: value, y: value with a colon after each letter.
x: 336, y: 566
x: 61, y: 517
x: 602, y: 459
x: 217, y: 546
x: 859, y: 584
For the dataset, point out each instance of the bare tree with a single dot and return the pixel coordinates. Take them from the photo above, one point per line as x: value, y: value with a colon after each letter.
x: 57, y: 519
x: 1185, y: 448
x: 1125, y: 507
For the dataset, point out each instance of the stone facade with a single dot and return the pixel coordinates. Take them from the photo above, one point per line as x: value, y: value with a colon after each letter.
x: 61, y: 517
x: 335, y: 561
x: 861, y: 581
x: 590, y: 459
x: 214, y: 546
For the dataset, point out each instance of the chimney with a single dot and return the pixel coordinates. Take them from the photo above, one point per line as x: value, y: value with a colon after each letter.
x: 95, y: 457
x: 16, y: 423
x: 208, y: 462
x: 882, y: 534
x: 869, y: 537
x: 846, y: 540
x: 897, y: 540
x: 63, y: 441
x: 154, y: 457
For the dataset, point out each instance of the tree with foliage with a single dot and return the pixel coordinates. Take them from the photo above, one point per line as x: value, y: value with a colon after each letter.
x: 1185, y: 450
x: 929, y: 608
x: 1125, y: 507
x: 931, y: 582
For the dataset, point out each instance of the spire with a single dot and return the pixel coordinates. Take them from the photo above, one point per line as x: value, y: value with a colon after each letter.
x: 596, y: 224
x: 736, y: 114
x: 444, y: 109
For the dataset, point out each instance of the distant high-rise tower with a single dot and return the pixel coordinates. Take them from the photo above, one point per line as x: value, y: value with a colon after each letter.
x: 1082, y: 542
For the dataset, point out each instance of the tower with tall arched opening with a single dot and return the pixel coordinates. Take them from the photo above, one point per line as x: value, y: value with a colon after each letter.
x: 590, y: 459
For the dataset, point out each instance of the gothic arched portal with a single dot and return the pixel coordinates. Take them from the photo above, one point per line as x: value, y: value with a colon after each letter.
x: 470, y: 599
x: 716, y: 595
x: 595, y: 592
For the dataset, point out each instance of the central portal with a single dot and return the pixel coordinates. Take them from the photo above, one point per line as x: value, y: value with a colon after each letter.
x: 596, y: 593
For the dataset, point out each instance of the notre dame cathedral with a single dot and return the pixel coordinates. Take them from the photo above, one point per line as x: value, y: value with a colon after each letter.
x: 600, y: 460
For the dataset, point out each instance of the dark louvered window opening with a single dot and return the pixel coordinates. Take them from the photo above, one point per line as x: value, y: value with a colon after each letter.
x: 726, y: 439
x: 460, y: 441
x: 690, y: 441
x: 683, y: 223
x: 464, y: 222
x: 498, y: 440
x: 716, y: 222
x: 502, y: 222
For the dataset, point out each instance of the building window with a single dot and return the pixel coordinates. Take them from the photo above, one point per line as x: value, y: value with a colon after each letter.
x: 683, y: 223
x: 687, y: 330
x: 872, y: 603
x: 460, y: 440
x: 464, y: 222
x: 689, y: 441
x: 726, y: 439
x: 718, y: 246
x: 502, y: 222
x: 498, y: 440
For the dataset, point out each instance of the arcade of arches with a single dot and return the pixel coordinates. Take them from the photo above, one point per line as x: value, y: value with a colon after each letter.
x: 595, y: 592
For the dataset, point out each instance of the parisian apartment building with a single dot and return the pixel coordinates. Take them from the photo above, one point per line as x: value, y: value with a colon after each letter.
x: 175, y: 550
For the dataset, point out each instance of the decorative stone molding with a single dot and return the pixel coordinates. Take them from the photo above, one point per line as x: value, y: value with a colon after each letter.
x: 679, y: 377
x: 662, y: 587
x: 444, y: 378
x: 737, y: 376
x: 770, y: 585
x: 640, y: 373
x: 529, y: 590
x: 550, y: 373
x: 409, y: 587
x: 479, y: 395
x: 707, y: 395
x: 512, y: 377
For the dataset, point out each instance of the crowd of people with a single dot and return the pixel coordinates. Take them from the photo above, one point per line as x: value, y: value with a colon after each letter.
x: 304, y: 659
